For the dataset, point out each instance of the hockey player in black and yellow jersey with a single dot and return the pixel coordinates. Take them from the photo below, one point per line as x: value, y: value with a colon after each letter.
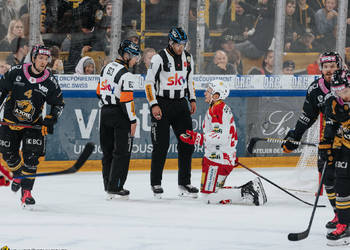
x: 313, y: 108
x: 168, y: 82
x: 25, y: 89
x: 337, y: 111
x: 118, y: 118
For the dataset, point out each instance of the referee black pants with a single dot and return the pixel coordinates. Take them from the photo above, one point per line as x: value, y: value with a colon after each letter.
x: 116, y: 145
x: 175, y: 113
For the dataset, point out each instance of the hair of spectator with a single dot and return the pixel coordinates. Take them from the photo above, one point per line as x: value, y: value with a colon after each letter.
x: 146, y: 51
x: 10, y: 35
x: 265, y: 57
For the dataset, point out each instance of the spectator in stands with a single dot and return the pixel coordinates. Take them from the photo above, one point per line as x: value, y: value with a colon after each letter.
x: 243, y: 25
x: 219, y: 14
x: 104, y: 12
x: 288, y: 67
x: 305, y: 44
x: 292, y: 29
x: 220, y: 65
x: 257, y: 44
x: 20, y: 49
x: 315, y: 5
x: 104, y: 42
x: 85, y: 66
x: 305, y: 16
x: 147, y: 55
x: 56, y: 64
x: 132, y: 35
x: 4, y: 67
x: 15, y: 29
x: 326, y: 21
x: 267, y: 65
x: 160, y: 15
x: 234, y: 56
x: 314, y: 68
x: 132, y: 14
x: 81, y: 43
x: 7, y: 13
x: 23, y: 9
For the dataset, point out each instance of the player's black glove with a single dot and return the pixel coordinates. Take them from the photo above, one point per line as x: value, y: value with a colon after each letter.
x: 325, y: 153
x: 289, y: 145
x: 47, y: 125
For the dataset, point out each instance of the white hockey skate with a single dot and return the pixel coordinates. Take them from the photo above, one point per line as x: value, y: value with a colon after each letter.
x: 188, y: 191
x: 253, y: 192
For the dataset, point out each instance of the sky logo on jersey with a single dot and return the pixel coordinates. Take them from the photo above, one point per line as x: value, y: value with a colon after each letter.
x: 105, y: 86
x: 176, y: 80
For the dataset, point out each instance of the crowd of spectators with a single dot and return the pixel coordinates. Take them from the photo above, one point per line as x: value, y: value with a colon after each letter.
x: 239, y: 29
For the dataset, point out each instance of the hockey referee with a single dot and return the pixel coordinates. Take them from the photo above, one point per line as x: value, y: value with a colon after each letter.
x: 168, y: 82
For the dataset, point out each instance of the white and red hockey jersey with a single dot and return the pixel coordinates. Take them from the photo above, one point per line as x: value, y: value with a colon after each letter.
x: 220, y: 134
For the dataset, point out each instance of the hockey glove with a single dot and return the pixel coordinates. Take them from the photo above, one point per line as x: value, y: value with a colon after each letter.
x: 47, y: 125
x: 290, y: 144
x: 325, y: 153
x: 192, y: 138
x: 5, y: 176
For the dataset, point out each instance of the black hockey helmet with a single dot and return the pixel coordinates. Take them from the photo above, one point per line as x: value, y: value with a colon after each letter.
x: 340, y: 80
x: 129, y: 47
x: 177, y: 35
x: 39, y: 49
x: 331, y: 57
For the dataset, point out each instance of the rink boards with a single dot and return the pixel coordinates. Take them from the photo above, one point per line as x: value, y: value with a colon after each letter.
x: 263, y: 106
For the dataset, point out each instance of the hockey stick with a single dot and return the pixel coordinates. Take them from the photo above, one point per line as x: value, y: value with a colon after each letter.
x: 22, y: 125
x: 89, y: 147
x: 274, y: 184
x: 254, y: 140
x: 304, y: 234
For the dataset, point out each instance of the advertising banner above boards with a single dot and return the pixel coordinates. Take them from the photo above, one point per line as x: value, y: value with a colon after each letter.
x: 263, y: 116
x: 237, y: 82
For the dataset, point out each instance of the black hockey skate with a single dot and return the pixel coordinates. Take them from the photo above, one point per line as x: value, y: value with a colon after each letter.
x: 16, y: 185
x: 254, y: 192
x: 188, y: 191
x: 27, y: 199
x: 121, y: 194
x: 333, y: 223
x: 340, y: 236
x: 157, y: 191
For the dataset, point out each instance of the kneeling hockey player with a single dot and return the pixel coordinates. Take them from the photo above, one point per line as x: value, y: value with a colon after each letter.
x: 220, y: 140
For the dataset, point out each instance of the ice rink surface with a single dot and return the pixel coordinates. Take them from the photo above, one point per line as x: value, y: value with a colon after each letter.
x: 72, y: 213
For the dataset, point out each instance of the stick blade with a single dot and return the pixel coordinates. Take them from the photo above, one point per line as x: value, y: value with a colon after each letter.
x: 298, y: 236
x: 251, y: 144
x: 88, y: 149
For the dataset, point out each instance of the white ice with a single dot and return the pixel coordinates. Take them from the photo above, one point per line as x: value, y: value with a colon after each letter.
x: 72, y: 213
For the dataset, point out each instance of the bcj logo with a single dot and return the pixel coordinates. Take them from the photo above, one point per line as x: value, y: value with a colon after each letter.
x: 176, y: 80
